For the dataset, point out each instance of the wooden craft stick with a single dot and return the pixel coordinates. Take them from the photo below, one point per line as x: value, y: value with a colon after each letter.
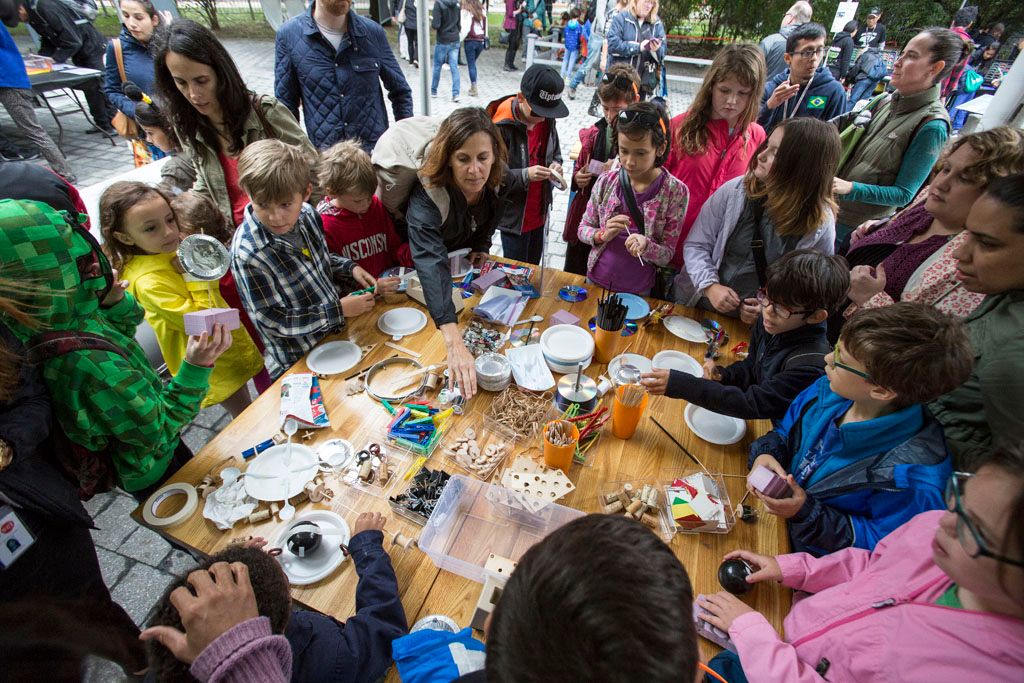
x: 398, y: 347
x: 681, y: 446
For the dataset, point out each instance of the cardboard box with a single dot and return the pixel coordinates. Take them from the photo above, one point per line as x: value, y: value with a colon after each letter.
x: 203, y: 321
x: 563, y: 317
x: 768, y: 483
x: 495, y: 276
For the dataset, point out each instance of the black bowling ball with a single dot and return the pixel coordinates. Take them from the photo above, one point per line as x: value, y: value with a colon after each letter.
x: 732, y: 574
x: 304, y: 539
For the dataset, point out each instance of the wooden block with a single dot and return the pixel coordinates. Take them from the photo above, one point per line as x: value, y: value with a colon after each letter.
x: 198, y: 322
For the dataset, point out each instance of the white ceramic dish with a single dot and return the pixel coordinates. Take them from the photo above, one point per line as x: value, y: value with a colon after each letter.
x: 642, y: 363
x: 714, y: 427
x: 275, y: 481
x: 333, y: 357
x: 401, y: 322
x: 670, y: 359
x: 321, y: 563
x: 686, y: 328
x: 566, y: 344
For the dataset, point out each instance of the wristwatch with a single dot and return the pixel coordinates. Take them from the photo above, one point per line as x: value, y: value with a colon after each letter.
x: 6, y: 455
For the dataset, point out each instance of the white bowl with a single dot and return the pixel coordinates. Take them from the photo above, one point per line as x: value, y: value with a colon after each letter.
x: 567, y: 344
x: 670, y: 359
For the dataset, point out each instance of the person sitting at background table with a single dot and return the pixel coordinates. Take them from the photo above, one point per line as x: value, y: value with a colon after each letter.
x: 787, y: 346
x: 287, y: 279
x: 453, y: 205
x: 888, y: 259
x: 941, y: 598
x: 860, y: 452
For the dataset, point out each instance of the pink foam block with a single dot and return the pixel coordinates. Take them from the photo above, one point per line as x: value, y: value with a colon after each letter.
x: 768, y: 483
x: 203, y: 321
x: 564, y: 317
x: 706, y: 630
x: 493, y: 277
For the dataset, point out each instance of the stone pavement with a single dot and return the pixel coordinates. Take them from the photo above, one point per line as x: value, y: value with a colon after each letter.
x: 137, y: 563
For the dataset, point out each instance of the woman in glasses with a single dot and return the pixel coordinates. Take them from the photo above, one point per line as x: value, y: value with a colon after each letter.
x: 619, y: 88
x: 715, y: 140
x: 784, y: 202
x: 941, y: 598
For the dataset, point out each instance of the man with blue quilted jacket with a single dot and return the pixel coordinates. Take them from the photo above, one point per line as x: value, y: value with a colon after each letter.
x: 331, y: 61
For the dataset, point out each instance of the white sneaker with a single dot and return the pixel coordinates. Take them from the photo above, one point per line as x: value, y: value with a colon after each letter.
x: 455, y: 99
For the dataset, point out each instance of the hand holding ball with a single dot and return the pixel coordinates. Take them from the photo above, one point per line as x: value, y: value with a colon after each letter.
x: 732, y: 574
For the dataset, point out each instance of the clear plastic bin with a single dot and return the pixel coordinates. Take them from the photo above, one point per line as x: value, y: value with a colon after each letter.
x: 398, y: 461
x: 473, y: 520
x: 723, y: 527
x: 486, y: 433
x: 666, y: 528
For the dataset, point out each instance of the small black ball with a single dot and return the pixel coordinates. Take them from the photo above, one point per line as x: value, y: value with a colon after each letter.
x: 304, y: 539
x: 732, y: 574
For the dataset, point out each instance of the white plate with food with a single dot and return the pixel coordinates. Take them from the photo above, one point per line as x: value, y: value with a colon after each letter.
x: 686, y: 328
x: 670, y: 359
x: 714, y: 427
x: 401, y: 322
x: 325, y: 558
x: 274, y: 475
x: 334, y: 357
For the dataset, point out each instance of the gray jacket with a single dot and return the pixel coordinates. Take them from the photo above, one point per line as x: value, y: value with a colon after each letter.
x: 774, y: 48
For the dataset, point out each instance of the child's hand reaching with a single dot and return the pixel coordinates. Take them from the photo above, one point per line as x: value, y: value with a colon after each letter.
x: 636, y: 244
x: 723, y: 609
x: 388, y: 285
x: 538, y: 172
x: 368, y: 521
x: 116, y: 292
x: 712, y: 371
x: 363, y: 278
x: 613, y: 227
x: 766, y: 567
x: 655, y: 381
x: 723, y: 298
x: 204, y: 350
x: 353, y: 305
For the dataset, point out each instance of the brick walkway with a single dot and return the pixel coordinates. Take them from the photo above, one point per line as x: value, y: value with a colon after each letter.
x: 137, y: 563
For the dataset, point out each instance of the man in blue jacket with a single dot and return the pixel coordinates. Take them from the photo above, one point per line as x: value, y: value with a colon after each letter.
x: 806, y: 88
x: 332, y: 62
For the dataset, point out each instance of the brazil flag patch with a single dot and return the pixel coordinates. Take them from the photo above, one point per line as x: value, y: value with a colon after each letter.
x: 816, y: 102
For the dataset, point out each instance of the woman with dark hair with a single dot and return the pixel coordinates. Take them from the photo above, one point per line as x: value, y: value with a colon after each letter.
x: 215, y: 115
x: 903, y: 137
x: 455, y: 208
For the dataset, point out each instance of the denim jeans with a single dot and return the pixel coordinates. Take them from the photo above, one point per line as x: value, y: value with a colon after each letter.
x: 473, y: 50
x: 593, y: 57
x: 446, y: 52
x: 569, y: 61
x: 862, y: 89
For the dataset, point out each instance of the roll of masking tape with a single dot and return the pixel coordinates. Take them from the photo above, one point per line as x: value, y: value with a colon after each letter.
x: 149, y: 514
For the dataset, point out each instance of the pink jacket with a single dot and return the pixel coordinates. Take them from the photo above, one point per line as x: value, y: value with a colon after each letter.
x: 873, y: 616
x: 724, y: 159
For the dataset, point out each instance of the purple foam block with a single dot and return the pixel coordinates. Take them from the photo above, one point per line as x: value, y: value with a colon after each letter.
x: 203, y: 321
x: 706, y: 630
x: 564, y: 317
x: 493, y: 277
x: 768, y: 483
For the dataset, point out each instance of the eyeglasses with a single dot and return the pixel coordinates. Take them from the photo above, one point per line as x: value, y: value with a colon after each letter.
x: 778, y: 309
x: 837, y: 364
x: 970, y: 538
x: 644, y: 119
x: 808, y: 53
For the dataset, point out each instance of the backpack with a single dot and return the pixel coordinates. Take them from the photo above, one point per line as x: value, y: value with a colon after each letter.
x: 397, y: 158
x: 972, y: 80
x: 877, y: 70
x: 86, y: 8
x: 90, y: 471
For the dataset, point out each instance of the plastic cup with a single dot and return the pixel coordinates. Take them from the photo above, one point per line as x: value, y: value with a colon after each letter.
x: 626, y: 418
x: 560, y: 456
x: 607, y: 344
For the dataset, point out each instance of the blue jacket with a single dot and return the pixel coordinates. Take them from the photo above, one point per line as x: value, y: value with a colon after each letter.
x: 138, y: 66
x: 571, y: 35
x: 862, y: 479
x: 339, y: 92
x: 823, y: 98
x: 12, y: 67
x: 358, y: 650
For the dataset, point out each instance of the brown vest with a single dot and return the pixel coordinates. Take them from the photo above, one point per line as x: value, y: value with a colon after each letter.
x: 879, y: 153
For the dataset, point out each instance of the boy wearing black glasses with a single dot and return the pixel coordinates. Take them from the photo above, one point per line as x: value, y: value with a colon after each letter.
x: 860, y: 452
x: 807, y: 87
x: 787, y: 346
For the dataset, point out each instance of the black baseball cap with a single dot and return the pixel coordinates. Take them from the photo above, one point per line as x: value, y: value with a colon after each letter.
x: 542, y: 87
x: 875, y: 12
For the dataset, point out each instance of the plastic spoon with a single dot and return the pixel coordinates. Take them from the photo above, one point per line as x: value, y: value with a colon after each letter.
x: 290, y: 427
x: 531, y: 319
x: 287, y: 510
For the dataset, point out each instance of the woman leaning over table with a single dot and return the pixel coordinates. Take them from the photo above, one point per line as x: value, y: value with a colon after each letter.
x: 888, y: 164
x: 455, y: 206
x: 213, y: 112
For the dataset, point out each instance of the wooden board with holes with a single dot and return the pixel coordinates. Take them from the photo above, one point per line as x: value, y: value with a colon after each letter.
x: 426, y: 590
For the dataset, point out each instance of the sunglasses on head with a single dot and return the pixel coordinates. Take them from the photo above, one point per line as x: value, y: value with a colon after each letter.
x: 644, y: 119
x: 621, y: 83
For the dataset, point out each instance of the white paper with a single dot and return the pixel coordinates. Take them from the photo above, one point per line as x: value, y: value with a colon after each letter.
x: 529, y: 368
x: 228, y: 504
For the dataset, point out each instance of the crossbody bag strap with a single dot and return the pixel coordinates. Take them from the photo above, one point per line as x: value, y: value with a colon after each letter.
x: 629, y: 197
x: 119, y: 54
x: 257, y: 106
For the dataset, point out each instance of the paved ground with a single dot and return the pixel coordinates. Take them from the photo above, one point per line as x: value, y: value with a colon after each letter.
x: 137, y: 563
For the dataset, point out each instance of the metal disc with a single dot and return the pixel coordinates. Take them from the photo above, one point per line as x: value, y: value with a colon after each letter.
x: 203, y: 257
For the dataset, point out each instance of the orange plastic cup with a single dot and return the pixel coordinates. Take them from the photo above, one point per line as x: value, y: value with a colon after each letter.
x: 560, y: 456
x: 625, y: 419
x: 607, y: 344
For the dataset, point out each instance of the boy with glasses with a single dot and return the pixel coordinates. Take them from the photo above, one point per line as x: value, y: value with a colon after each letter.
x: 787, y: 346
x: 806, y: 87
x: 858, y: 449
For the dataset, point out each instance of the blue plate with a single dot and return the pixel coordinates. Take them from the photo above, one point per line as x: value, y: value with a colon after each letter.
x: 636, y: 307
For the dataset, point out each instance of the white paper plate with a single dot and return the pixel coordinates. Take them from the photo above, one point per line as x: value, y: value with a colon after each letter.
x: 686, y: 328
x: 567, y: 368
x: 677, y: 360
x: 714, y: 427
x: 337, y: 453
x: 401, y: 322
x: 642, y: 363
x: 274, y: 481
x: 302, y: 571
x: 333, y: 357
x: 567, y: 344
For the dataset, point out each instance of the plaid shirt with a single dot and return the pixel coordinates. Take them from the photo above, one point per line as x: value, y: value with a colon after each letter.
x: 292, y: 295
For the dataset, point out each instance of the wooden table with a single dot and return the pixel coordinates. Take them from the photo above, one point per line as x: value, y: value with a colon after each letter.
x: 427, y: 590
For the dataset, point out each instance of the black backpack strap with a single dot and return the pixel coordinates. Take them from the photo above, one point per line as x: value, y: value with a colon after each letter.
x: 630, y: 198
x: 56, y: 343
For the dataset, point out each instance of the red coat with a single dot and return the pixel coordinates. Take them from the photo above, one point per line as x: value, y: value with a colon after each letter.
x: 724, y: 159
x: 588, y: 136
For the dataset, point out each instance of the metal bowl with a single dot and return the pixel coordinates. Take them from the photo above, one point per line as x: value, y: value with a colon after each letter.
x: 203, y: 257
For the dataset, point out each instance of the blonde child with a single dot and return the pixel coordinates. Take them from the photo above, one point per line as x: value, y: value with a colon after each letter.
x: 625, y: 255
x: 141, y: 237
